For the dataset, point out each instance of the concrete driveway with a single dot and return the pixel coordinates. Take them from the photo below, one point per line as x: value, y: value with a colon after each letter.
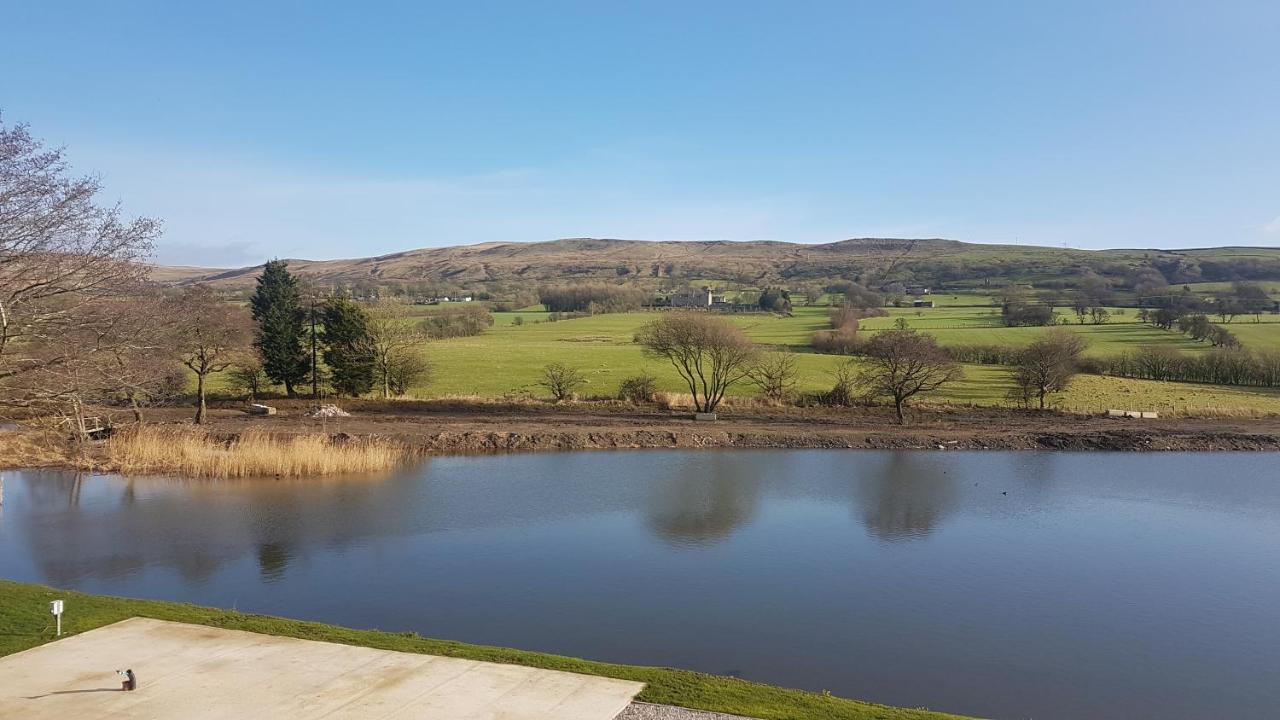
x: 192, y: 671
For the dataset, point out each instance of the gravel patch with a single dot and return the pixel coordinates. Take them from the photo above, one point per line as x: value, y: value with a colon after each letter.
x: 647, y: 711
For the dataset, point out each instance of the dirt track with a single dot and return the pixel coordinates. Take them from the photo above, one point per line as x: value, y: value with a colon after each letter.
x: 442, y: 428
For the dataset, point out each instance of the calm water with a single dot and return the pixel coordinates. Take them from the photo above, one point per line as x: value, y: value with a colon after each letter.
x: 1118, y: 586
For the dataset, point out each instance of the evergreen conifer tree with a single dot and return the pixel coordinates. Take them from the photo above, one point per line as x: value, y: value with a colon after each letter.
x: 280, y: 335
x: 348, y: 351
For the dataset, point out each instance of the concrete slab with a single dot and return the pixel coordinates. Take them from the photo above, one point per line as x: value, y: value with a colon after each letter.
x: 197, y: 672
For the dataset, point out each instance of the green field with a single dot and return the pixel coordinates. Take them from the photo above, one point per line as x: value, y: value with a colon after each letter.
x: 1271, y: 286
x: 24, y: 623
x: 1124, y: 332
x: 507, y: 360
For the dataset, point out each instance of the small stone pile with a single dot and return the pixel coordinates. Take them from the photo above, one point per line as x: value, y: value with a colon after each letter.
x: 328, y: 411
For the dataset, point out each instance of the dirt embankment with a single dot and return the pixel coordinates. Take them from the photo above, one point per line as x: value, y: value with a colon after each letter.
x: 456, y: 428
x: 440, y: 428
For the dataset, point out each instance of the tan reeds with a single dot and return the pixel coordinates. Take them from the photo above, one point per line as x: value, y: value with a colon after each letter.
x: 195, y: 453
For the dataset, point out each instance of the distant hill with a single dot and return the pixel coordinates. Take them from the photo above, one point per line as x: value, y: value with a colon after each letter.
x: 869, y: 260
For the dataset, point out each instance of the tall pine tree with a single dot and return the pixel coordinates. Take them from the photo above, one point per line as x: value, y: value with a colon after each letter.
x: 348, y: 350
x: 280, y: 336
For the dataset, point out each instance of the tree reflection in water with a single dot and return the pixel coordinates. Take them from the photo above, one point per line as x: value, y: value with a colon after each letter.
x: 907, y: 498
x: 705, y: 506
x: 273, y: 560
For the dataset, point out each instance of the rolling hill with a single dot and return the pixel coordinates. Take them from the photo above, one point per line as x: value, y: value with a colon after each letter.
x: 933, y: 260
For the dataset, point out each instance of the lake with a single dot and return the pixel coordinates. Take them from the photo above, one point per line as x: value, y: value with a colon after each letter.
x: 1006, y: 585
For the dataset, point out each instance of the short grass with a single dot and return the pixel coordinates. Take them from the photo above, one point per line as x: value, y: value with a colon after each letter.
x: 979, y: 325
x: 507, y: 360
x: 25, y: 623
x: 1271, y: 286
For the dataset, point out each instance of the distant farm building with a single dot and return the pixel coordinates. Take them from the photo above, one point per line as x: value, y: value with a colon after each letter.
x: 692, y: 299
x: 443, y: 299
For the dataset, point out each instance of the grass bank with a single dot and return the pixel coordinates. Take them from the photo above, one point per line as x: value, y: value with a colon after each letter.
x: 194, y: 452
x: 25, y: 623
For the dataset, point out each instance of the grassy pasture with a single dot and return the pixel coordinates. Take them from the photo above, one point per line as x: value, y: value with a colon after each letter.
x: 1271, y: 286
x: 507, y: 360
x: 1124, y: 332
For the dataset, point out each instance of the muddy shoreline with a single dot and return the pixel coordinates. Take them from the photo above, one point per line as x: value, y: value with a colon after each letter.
x: 444, y: 428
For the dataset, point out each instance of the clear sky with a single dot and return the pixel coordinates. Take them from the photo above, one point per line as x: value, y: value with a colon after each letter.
x: 318, y: 130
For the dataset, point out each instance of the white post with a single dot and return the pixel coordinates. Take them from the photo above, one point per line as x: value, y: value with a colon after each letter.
x: 55, y: 607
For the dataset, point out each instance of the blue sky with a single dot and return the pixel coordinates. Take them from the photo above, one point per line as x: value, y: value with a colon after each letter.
x: 305, y: 130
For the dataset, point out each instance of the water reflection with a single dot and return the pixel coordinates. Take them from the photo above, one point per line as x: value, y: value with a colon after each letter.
x: 704, y: 506
x: 273, y: 560
x: 119, y: 527
x: 906, y: 498
x: 991, y: 584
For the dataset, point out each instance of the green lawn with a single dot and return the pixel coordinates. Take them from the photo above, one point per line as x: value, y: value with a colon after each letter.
x: 25, y: 623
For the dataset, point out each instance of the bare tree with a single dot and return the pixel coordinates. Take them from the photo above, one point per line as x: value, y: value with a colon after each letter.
x: 710, y: 353
x: 844, y: 379
x: 249, y: 378
x: 211, y: 336
x: 774, y: 373
x: 143, y: 366
x: 393, y: 338
x: 901, y: 364
x: 1047, y: 365
x: 117, y: 349
x: 61, y: 257
x: 561, y: 380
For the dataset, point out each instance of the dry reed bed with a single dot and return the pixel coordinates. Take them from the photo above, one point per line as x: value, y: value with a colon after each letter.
x: 194, y: 452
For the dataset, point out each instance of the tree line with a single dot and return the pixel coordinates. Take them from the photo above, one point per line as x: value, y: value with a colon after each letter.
x: 81, y: 324
x: 593, y: 298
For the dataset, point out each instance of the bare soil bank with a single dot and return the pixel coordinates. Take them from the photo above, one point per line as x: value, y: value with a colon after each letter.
x: 444, y: 428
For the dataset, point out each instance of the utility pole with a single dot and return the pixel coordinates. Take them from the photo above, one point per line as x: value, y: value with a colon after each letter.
x: 315, y: 380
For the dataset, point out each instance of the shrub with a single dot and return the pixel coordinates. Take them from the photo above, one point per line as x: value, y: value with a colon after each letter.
x: 561, y: 380
x: 846, y: 315
x: 457, y: 322
x: 248, y: 379
x: 844, y: 341
x: 406, y: 370
x: 1022, y: 314
x: 774, y: 374
x: 984, y: 354
x: 856, y: 295
x: 638, y: 389
x: 843, y: 387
